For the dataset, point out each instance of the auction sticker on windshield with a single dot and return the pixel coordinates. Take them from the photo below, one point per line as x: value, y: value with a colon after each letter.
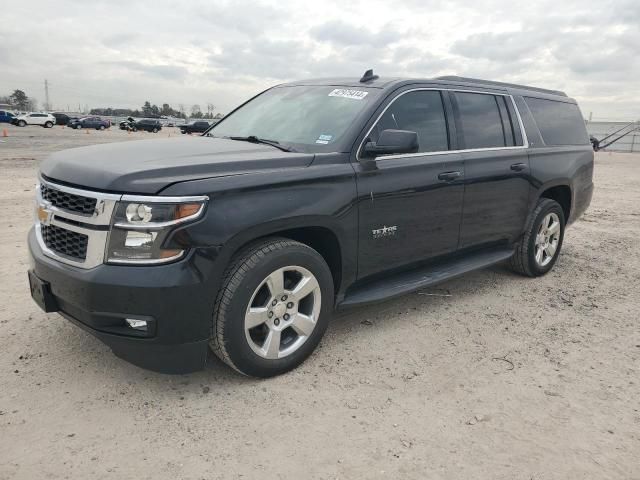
x: 344, y: 93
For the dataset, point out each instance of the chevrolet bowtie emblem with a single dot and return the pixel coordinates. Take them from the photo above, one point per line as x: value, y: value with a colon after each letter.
x: 44, y: 215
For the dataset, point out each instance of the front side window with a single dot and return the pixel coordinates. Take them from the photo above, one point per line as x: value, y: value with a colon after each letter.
x: 304, y: 117
x: 420, y: 111
x: 480, y: 120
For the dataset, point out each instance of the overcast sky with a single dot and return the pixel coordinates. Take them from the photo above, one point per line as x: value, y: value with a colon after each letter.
x: 121, y: 53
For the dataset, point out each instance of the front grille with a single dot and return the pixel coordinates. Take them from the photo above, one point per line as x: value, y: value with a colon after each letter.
x: 68, y: 201
x: 65, y: 242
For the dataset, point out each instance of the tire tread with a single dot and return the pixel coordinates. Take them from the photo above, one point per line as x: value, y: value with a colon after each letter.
x: 241, y: 264
x: 519, y: 262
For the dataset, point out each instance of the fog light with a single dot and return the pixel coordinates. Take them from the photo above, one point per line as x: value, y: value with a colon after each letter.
x: 136, y: 324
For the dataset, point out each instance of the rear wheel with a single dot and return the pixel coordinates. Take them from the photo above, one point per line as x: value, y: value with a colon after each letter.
x: 155, y: 130
x: 22, y: 123
x: 538, y: 250
x: 78, y: 126
x: 101, y: 127
x: 48, y: 125
x: 273, y: 308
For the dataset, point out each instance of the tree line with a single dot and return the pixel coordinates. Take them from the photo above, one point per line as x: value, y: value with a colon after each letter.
x: 20, y: 101
x: 151, y: 111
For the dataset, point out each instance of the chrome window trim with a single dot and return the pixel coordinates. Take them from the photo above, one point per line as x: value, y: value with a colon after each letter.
x: 525, y: 140
x: 102, y: 217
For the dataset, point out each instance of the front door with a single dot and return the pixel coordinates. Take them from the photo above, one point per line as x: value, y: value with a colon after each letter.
x: 410, y: 205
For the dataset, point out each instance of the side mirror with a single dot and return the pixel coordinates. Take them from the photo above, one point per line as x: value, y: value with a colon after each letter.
x: 392, y: 141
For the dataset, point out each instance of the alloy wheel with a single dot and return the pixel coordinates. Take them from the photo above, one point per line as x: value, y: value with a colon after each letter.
x: 283, y: 312
x: 547, y: 239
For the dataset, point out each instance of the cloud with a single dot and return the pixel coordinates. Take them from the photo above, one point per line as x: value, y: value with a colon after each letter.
x: 167, y: 72
x: 338, y: 32
x: 119, y: 53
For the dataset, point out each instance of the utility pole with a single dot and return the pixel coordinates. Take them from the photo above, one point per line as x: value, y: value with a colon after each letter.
x: 47, y: 105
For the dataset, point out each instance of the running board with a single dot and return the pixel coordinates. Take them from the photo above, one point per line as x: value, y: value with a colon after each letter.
x: 417, y: 279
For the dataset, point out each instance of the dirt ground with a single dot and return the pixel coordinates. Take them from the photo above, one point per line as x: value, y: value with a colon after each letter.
x: 491, y: 376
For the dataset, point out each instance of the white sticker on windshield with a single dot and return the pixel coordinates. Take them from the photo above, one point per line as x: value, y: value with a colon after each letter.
x: 344, y: 93
x: 324, y: 139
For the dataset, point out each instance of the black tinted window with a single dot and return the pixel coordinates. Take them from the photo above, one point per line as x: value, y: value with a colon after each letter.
x: 480, y: 119
x: 559, y: 123
x: 421, y: 112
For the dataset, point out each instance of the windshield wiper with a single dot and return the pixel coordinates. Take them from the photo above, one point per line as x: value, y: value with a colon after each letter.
x: 254, y: 139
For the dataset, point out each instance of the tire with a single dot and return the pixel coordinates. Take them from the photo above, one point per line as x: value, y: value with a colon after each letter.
x: 531, y: 257
x: 101, y: 127
x: 22, y: 123
x: 155, y: 130
x: 247, y: 286
x: 48, y: 125
x: 183, y: 132
x: 78, y: 126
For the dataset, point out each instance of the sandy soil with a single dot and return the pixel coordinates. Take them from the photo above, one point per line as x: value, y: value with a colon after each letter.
x: 491, y: 376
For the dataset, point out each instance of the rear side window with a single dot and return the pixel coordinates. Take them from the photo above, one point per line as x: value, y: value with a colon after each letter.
x: 481, y: 120
x: 559, y: 123
x: 422, y: 112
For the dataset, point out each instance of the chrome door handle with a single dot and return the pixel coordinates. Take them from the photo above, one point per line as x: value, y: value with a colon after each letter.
x: 448, y: 176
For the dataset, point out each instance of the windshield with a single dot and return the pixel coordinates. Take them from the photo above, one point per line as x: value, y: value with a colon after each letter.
x: 307, y: 118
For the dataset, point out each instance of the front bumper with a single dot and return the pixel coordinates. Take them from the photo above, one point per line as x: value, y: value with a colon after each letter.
x: 176, y: 299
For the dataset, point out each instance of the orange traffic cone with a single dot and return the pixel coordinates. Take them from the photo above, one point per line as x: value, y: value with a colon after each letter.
x: 5, y: 133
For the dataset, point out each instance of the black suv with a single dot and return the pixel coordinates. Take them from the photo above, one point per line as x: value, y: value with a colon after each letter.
x: 147, y: 125
x: 310, y: 197
x: 195, y: 127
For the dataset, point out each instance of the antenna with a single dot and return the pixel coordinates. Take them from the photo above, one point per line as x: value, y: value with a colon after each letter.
x: 368, y: 76
x: 47, y: 105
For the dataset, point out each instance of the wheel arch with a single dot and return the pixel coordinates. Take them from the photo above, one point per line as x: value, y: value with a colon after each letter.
x: 562, y: 194
x: 320, y: 236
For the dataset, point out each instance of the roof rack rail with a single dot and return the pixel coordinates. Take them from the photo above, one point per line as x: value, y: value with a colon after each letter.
x: 455, y: 78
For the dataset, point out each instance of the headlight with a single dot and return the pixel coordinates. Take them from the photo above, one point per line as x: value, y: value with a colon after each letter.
x: 141, y: 225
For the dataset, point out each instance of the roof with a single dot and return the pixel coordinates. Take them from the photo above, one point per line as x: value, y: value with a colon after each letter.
x: 388, y: 82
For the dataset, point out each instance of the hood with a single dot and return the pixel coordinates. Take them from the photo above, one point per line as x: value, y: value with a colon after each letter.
x: 148, y: 166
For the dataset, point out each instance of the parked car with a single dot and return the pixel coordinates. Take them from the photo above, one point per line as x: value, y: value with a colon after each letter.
x: 195, y: 127
x: 43, y: 119
x: 148, y: 125
x: 89, y: 122
x: 61, y: 118
x: 6, y: 116
x: 127, y: 124
x: 308, y: 198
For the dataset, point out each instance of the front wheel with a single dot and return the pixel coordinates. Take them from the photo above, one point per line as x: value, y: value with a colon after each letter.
x: 273, y: 307
x: 101, y: 127
x: 48, y: 125
x: 22, y: 123
x: 155, y: 130
x: 78, y: 126
x: 538, y: 250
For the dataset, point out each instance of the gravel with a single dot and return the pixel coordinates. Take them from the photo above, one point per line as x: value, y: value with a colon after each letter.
x: 499, y: 377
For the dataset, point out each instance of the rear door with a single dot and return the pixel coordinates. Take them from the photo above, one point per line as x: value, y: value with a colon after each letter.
x: 410, y: 205
x: 497, y: 174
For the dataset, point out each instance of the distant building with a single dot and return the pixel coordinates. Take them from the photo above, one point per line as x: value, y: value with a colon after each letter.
x: 6, y: 106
